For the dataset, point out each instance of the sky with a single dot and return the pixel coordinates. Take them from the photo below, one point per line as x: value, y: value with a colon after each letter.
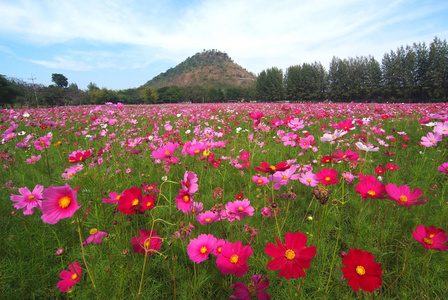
x: 120, y: 44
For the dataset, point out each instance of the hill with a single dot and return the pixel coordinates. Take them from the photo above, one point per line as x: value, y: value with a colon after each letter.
x: 209, y: 68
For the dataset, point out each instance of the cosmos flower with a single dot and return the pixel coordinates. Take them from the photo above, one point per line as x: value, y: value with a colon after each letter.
x: 147, y: 243
x: 361, y: 270
x: 95, y: 237
x: 60, y: 203
x: 28, y: 200
x: 403, y: 196
x: 233, y: 258
x: 70, y: 278
x: 370, y: 187
x: 254, y: 289
x: 198, y: 249
x: 292, y: 257
x: 327, y: 176
x: 431, y: 237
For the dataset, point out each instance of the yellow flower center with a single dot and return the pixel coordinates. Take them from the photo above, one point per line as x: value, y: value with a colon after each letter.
x: 309, y: 180
x: 64, y: 202
x: 197, y: 151
x: 118, y: 197
x: 149, y: 204
x: 327, y: 178
x: 135, y: 202
x: 432, y: 141
x: 167, y: 153
x: 208, y: 220
x: 147, y: 243
x: 203, y: 250
x: 290, y: 254
x: 186, y: 198
x: 252, y: 289
x: 428, y: 241
x: 285, y: 177
x: 219, y: 249
x: 272, y: 168
x: 260, y: 181
x: 371, y: 193
x: 360, y: 270
x: 403, y: 199
x: 93, y: 231
x: 240, y: 208
x: 74, y: 276
x: 31, y: 197
x: 234, y: 259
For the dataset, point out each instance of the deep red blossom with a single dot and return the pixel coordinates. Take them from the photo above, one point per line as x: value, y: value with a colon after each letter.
x: 267, y: 168
x: 361, y: 270
x: 370, y: 187
x: 327, y: 176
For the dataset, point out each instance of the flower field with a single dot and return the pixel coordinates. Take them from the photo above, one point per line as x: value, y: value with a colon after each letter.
x: 219, y: 201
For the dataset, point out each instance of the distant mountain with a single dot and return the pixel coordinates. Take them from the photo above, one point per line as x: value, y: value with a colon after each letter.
x: 209, y: 68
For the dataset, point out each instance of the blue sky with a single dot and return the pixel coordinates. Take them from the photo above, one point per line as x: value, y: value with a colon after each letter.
x: 122, y: 44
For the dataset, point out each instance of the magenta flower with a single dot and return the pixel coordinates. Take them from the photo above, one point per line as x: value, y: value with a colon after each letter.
x: 443, y: 168
x: 114, y: 197
x: 254, y: 289
x: 165, y: 152
x: 403, y: 196
x: 207, y: 217
x: 260, y: 180
x: 184, y: 201
x: 198, y: 249
x: 370, y: 187
x: 189, y: 183
x: 149, y: 242
x: 218, y: 247
x: 60, y: 203
x: 70, y: 278
x: 308, y: 178
x: 327, y: 176
x: 28, y: 200
x: 233, y: 258
x: 347, y: 155
x: 431, y: 237
x: 42, y: 143
x: 95, y: 237
x: 348, y: 176
x: 239, y: 210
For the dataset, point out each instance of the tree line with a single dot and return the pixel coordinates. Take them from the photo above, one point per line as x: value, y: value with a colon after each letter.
x: 416, y: 73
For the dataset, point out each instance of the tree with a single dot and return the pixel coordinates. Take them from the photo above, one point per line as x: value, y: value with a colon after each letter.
x: 8, y: 92
x: 149, y: 95
x: 60, y: 80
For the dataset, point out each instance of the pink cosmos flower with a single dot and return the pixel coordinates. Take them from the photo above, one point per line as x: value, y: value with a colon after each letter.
x: 347, y: 155
x: 266, y: 211
x: 70, y: 278
x: 392, y: 167
x: 233, y: 258
x: 198, y: 249
x: 327, y: 176
x: 431, y: 237
x: 28, y: 200
x: 60, y: 203
x: 184, y: 201
x: 34, y: 159
x: 443, y: 168
x: 196, y: 207
x: 431, y: 139
x: 42, y: 142
x: 207, y: 217
x: 441, y: 128
x: 348, y: 176
x: 403, y: 196
x: 189, y: 183
x: 239, y: 210
x: 260, y: 180
x: 218, y: 247
x: 165, y: 152
x: 95, y: 237
x: 114, y: 197
x: 295, y: 124
x: 370, y: 187
x: 254, y: 289
x: 304, y: 143
x: 282, y: 177
x: 308, y: 178
x: 147, y: 243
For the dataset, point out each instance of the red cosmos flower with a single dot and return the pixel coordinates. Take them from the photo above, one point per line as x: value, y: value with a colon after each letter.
x: 216, y: 163
x: 267, y: 168
x: 244, y: 156
x: 361, y: 270
x: 147, y: 243
x: 131, y: 201
x: 70, y: 278
x: 79, y: 156
x: 431, y: 237
x: 380, y: 170
x: 292, y: 257
x: 370, y: 187
x: 327, y: 176
x: 327, y: 159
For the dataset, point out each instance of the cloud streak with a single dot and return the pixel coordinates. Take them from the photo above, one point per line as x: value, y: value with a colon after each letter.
x: 95, y: 35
